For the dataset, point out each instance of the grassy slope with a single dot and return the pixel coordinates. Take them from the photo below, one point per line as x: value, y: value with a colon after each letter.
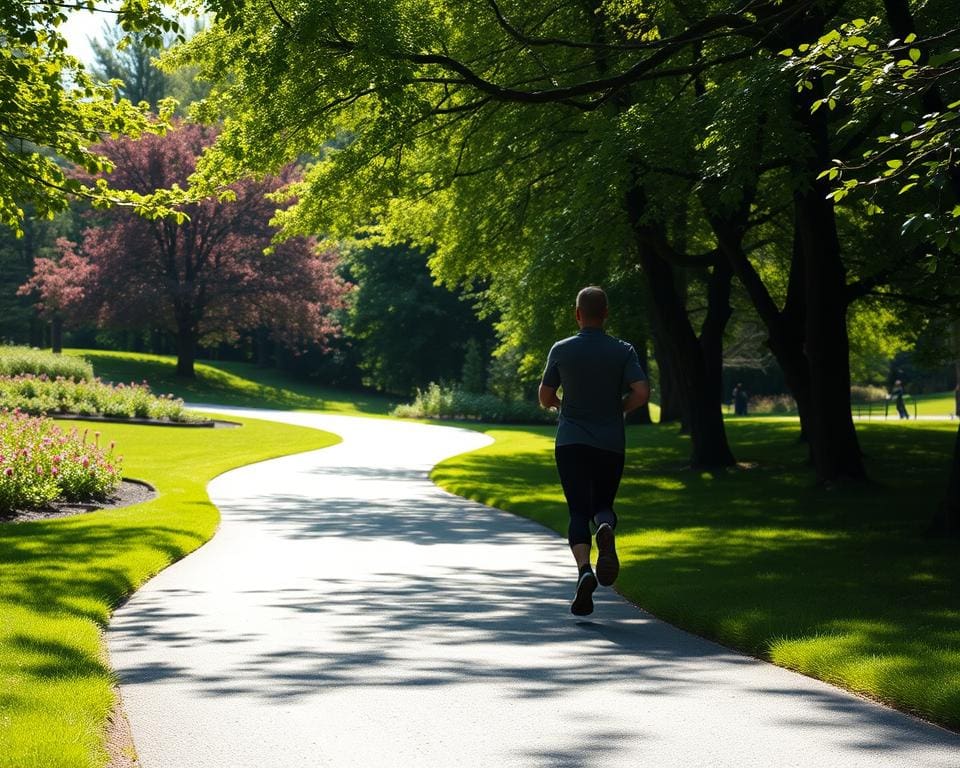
x: 241, y: 384
x: 59, y: 580
x: 837, y: 584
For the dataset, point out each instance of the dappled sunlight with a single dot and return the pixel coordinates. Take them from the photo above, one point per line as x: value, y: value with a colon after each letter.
x: 756, y: 554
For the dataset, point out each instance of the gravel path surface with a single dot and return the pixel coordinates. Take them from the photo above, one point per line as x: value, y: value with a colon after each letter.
x: 349, y: 613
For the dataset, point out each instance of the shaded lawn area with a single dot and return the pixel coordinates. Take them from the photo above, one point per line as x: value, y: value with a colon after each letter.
x: 838, y: 584
x: 60, y: 579
x: 238, y: 384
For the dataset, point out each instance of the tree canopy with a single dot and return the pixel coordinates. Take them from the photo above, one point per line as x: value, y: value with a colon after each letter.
x: 52, y: 110
x: 208, y: 276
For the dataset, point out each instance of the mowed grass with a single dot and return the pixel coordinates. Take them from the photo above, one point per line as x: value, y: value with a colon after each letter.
x: 238, y: 384
x: 838, y: 584
x: 942, y: 404
x: 60, y: 580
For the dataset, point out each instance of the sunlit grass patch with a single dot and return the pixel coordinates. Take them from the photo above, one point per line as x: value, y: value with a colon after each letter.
x: 60, y: 579
x: 840, y: 584
x: 228, y: 383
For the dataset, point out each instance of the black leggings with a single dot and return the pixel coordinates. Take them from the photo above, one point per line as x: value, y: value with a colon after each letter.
x: 590, y: 478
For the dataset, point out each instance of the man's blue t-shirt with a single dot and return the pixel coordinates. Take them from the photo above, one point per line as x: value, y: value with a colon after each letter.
x: 595, y: 370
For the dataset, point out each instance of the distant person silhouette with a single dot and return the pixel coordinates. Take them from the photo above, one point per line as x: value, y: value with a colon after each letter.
x: 595, y: 370
x: 741, y: 399
x: 897, y: 393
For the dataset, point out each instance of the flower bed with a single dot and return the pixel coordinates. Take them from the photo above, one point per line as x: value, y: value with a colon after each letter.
x: 41, y: 395
x: 16, y: 361
x: 39, y: 463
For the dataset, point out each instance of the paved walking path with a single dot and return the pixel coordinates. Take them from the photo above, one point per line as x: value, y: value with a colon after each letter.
x: 349, y: 613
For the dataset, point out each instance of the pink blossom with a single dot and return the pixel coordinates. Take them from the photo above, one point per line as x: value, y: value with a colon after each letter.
x: 8, y: 472
x: 54, y: 471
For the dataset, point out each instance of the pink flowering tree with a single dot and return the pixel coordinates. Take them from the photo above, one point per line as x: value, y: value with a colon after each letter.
x: 62, y: 285
x: 206, y: 278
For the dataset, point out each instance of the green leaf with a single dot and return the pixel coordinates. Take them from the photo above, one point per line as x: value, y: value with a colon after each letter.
x: 910, y: 38
x: 894, y: 164
x: 915, y: 54
x: 907, y: 187
x: 956, y: 211
x: 786, y: 52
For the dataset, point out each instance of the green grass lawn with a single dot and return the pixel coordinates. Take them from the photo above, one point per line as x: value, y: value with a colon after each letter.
x: 224, y: 383
x: 941, y: 404
x: 60, y: 580
x: 841, y: 584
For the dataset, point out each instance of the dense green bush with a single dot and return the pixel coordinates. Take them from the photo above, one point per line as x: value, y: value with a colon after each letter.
x: 15, y: 361
x: 867, y: 394
x: 40, y: 395
x: 439, y: 402
x: 40, y: 463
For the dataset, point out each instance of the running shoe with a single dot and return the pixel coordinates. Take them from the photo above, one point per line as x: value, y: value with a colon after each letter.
x: 608, y: 564
x: 582, y: 604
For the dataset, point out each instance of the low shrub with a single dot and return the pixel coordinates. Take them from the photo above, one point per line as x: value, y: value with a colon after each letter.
x: 40, y: 395
x: 439, y: 402
x: 867, y: 394
x: 767, y: 404
x: 40, y: 463
x: 15, y: 361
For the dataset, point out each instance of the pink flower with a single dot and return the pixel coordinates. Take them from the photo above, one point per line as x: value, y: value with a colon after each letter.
x: 57, y: 459
x: 39, y: 469
x: 8, y: 472
x: 85, y: 462
x: 54, y: 471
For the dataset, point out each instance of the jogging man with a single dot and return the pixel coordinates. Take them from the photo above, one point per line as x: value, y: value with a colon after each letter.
x: 595, y: 371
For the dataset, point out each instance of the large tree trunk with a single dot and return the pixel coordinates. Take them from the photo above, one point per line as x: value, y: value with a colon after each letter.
x: 668, y: 386
x: 186, y: 349
x: 56, y: 334
x: 833, y: 438
x: 947, y: 520
x: 709, y: 447
x: 642, y: 414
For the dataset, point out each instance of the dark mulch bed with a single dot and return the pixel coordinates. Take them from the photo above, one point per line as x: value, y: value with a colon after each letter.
x: 215, y: 423
x: 129, y: 492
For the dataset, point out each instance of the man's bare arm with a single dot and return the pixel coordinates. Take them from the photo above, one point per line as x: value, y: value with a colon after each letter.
x: 638, y: 396
x: 548, y: 397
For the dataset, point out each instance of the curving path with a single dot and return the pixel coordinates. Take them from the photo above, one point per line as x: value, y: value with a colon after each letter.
x: 349, y: 613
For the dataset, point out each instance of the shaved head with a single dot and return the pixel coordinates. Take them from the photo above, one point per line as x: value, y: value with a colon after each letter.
x: 592, y: 303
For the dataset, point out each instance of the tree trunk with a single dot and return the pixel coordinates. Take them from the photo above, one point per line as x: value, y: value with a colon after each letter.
x: 671, y: 409
x: 642, y: 414
x: 947, y: 520
x: 262, y: 346
x: 56, y: 334
x: 186, y: 350
x: 680, y: 344
x: 833, y: 438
